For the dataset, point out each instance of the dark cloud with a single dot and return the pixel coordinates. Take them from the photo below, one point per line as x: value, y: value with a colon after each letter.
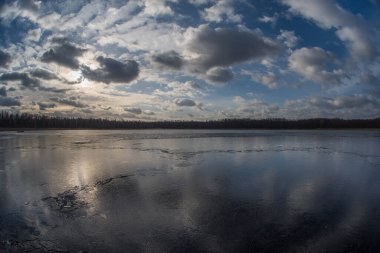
x: 44, y: 106
x: 72, y: 101
x: 3, y: 92
x: 47, y: 75
x: 226, y: 46
x: 28, y: 82
x: 24, y: 78
x: 43, y: 74
x: 219, y: 75
x: 194, y: 85
x: 29, y: 5
x: 52, y: 89
x: 134, y: 110
x: 371, y: 80
x: 184, y: 102
x: 64, y: 53
x: 315, y: 64
x: 6, y: 101
x: 112, y: 70
x: 5, y: 59
x: 170, y: 59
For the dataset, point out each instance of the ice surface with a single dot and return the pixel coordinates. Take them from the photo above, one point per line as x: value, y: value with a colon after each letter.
x: 190, y: 191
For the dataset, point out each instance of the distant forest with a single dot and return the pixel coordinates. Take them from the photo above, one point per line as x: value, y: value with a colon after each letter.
x: 9, y: 121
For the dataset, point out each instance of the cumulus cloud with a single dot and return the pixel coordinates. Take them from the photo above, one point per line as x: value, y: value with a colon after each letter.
x: 289, y: 38
x: 5, y: 59
x: 223, y: 47
x: 157, y: 8
x: 219, y: 75
x: 220, y: 11
x: 313, y: 63
x: 351, y: 29
x: 170, y: 59
x: 112, y: 70
x: 72, y: 101
x: 184, y: 102
x: 269, y: 80
x: 209, y: 52
x: 64, y: 53
x: 134, y: 110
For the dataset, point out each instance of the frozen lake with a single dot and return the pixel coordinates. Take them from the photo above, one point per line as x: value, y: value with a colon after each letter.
x: 190, y: 191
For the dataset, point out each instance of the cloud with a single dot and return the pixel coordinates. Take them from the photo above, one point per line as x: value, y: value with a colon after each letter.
x: 222, y: 10
x: 43, y: 74
x: 157, y: 8
x: 170, y: 59
x: 193, y: 85
x: 134, y: 110
x: 289, y: 38
x: 24, y: 78
x: 350, y: 106
x: 269, y: 79
x: 255, y: 108
x: 267, y: 19
x: 199, y: 2
x: 5, y: 59
x: 344, y: 102
x: 3, y: 92
x: 219, y: 75
x: 370, y: 79
x: 52, y: 89
x: 112, y: 71
x: 6, y: 101
x: 29, y: 5
x: 29, y: 82
x: 313, y: 63
x: 184, y: 102
x: 43, y: 106
x: 72, y: 101
x: 351, y: 29
x: 149, y: 113
x: 224, y: 47
x: 64, y: 53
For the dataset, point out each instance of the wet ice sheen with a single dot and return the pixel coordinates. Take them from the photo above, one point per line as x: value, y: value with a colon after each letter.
x: 190, y: 191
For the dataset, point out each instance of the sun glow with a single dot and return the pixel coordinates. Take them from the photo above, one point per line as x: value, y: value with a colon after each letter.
x: 76, y: 76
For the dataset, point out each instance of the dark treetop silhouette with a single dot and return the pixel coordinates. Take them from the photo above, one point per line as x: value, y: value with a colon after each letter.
x: 9, y: 120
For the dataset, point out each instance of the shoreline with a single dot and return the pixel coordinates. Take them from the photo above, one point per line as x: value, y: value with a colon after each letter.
x: 118, y: 129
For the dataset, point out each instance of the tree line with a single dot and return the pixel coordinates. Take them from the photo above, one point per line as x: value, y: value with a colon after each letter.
x: 10, y: 120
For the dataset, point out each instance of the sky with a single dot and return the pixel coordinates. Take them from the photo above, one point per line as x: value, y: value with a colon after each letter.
x: 191, y: 59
